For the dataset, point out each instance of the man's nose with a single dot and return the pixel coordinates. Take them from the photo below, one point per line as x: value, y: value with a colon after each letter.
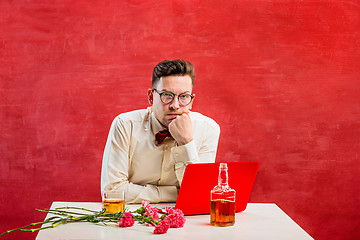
x: 175, y: 103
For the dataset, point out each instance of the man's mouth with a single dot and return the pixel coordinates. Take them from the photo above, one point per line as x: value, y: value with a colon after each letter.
x: 173, y: 115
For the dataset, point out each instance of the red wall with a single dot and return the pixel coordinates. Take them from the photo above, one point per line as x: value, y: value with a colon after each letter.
x: 280, y: 77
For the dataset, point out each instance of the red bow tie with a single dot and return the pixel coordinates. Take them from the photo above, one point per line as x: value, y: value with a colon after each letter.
x: 160, y: 136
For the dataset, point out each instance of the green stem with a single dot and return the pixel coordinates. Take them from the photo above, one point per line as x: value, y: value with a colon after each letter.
x: 21, y: 228
x: 51, y: 226
x: 59, y: 212
x: 84, y: 209
x: 69, y: 216
x: 30, y: 225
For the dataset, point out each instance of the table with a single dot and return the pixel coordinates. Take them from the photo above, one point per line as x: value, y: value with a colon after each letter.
x: 258, y: 221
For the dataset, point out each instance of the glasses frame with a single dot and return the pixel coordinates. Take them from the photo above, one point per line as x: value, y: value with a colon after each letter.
x: 173, y: 94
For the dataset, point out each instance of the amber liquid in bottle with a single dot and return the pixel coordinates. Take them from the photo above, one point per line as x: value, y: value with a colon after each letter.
x: 222, y: 212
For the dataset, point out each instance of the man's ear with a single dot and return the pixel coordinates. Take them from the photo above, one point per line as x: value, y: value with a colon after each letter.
x: 192, y: 101
x: 150, y: 96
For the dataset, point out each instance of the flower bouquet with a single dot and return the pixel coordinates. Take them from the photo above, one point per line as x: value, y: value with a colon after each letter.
x: 146, y: 214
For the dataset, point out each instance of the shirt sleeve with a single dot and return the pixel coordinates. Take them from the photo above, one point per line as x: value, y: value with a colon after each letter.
x: 191, y: 153
x: 115, y: 169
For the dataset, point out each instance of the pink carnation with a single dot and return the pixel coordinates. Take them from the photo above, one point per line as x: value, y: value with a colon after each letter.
x: 175, y: 217
x: 162, y: 227
x: 151, y: 211
x: 127, y: 220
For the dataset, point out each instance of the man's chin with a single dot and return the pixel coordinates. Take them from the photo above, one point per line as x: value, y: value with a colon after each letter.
x: 167, y: 122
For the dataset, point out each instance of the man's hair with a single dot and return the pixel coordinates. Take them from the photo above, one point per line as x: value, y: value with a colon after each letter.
x: 177, y: 67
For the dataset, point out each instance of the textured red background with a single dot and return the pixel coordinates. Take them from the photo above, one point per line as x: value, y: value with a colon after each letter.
x: 280, y: 77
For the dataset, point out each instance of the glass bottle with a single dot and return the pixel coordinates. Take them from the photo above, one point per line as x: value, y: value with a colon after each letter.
x: 222, y: 213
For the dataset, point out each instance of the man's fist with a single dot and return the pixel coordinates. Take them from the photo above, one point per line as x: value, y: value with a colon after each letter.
x: 181, y: 129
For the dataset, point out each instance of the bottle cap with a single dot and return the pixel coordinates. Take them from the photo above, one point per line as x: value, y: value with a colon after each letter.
x: 223, y: 165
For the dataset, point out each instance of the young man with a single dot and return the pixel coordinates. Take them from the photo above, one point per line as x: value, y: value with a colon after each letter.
x: 147, y: 150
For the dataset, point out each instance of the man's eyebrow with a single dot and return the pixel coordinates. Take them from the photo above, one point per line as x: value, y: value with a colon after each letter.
x: 164, y: 90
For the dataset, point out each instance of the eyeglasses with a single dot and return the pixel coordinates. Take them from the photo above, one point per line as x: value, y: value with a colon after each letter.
x: 168, y: 97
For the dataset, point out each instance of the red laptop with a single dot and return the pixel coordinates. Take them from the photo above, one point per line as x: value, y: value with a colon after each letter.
x: 199, y: 179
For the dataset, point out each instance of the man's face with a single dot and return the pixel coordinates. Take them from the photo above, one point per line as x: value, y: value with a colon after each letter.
x: 165, y: 113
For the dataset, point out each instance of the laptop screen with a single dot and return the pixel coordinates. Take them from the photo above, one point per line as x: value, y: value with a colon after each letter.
x: 200, y: 178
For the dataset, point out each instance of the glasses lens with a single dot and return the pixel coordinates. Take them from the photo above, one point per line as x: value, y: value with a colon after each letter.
x: 185, y: 99
x: 167, y: 97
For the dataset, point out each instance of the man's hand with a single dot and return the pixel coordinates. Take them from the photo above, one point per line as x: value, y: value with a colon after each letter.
x: 181, y: 129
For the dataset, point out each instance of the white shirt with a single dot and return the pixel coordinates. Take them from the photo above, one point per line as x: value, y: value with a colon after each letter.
x: 133, y: 163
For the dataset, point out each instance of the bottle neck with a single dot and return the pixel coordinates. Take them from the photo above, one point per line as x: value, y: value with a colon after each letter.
x: 223, y: 176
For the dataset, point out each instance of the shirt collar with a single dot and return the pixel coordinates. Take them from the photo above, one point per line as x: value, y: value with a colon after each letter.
x: 155, y: 124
